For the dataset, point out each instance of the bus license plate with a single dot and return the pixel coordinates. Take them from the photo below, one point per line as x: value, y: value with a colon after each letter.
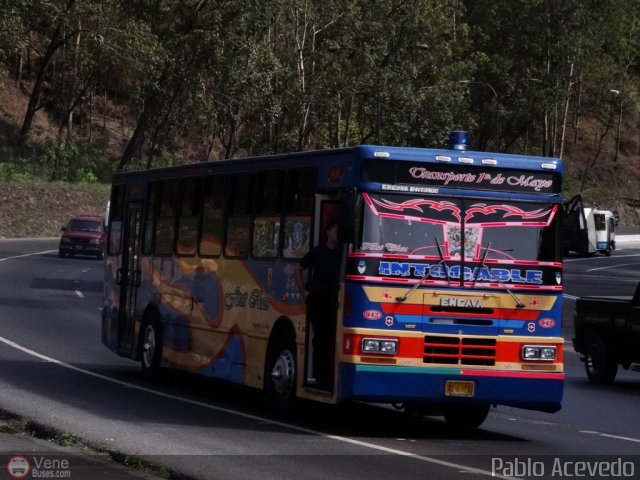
x: 456, y: 388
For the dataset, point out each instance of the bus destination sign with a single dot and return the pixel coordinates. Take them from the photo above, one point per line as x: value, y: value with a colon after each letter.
x: 462, y: 176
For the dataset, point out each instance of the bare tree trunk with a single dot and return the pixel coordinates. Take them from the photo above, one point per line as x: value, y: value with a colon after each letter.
x: 20, y: 64
x: 90, y: 117
x: 566, y: 111
x: 135, y: 142
x: 597, y: 148
x: 74, y: 85
x: 34, y: 99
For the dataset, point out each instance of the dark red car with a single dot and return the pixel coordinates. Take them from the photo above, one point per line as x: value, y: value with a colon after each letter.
x: 83, y: 236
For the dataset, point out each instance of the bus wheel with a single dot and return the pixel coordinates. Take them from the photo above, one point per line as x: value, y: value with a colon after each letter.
x: 280, y: 378
x: 151, y: 347
x: 599, y: 363
x: 465, y: 416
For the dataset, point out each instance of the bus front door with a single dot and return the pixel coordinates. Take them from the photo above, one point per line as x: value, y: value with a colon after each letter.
x: 129, y: 278
x: 327, y: 210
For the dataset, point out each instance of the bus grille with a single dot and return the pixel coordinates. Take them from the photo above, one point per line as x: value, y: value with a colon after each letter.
x: 459, y: 350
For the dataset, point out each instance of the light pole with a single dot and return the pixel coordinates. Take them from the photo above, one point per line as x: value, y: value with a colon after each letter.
x: 495, y: 95
x: 618, y: 94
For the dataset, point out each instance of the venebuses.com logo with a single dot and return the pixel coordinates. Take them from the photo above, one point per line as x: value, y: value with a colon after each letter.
x: 40, y: 466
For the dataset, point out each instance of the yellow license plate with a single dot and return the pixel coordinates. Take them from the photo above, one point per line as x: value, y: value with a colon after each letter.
x: 457, y: 388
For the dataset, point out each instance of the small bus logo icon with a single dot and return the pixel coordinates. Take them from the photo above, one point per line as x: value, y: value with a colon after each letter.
x: 547, y: 322
x: 18, y: 467
x: 372, y: 314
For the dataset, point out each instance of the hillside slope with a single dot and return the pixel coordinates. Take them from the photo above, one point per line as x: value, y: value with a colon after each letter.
x: 41, y: 209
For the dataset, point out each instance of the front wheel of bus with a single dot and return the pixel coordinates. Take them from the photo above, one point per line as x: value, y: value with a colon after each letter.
x: 151, y: 347
x: 280, y: 381
x: 465, y: 416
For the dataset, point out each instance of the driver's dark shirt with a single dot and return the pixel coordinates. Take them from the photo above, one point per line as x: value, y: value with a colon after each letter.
x: 324, y: 264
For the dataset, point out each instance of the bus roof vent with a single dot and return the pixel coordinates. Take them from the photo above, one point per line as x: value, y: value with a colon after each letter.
x: 458, y: 140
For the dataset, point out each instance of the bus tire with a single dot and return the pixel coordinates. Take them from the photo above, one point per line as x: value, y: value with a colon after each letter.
x: 465, y: 416
x: 151, y: 346
x: 281, y: 374
x: 600, y: 362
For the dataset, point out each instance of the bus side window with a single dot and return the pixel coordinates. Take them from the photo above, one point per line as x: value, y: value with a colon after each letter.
x: 300, y: 197
x: 189, y: 214
x: 213, y: 195
x: 268, y: 210
x: 151, y: 214
x: 239, y: 218
x: 164, y: 233
x: 116, y: 215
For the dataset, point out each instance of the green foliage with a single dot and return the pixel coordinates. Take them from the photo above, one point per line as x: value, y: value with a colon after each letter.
x: 85, y: 175
x: 59, y: 159
x: 14, y: 173
x: 12, y: 32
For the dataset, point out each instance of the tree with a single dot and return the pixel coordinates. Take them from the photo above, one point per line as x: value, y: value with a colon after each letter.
x: 175, y: 65
x: 53, y: 24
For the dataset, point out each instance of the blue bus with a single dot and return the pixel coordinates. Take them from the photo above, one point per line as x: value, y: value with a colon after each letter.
x: 450, y: 290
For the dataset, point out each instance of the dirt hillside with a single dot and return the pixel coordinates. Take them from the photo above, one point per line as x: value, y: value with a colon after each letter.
x: 41, y: 209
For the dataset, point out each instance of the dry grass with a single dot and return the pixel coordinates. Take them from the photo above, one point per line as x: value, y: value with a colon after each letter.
x: 40, y: 209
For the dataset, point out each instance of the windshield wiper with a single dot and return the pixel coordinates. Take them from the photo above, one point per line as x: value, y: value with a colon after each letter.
x: 519, y: 303
x: 426, y: 273
x: 482, y: 264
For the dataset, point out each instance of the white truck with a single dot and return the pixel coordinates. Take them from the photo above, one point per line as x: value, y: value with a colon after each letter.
x: 587, y: 231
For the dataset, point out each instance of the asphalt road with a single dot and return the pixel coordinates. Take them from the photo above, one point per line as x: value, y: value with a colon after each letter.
x: 53, y: 368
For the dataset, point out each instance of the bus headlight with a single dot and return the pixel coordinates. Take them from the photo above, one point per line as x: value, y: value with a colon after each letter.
x: 387, y: 346
x: 538, y: 352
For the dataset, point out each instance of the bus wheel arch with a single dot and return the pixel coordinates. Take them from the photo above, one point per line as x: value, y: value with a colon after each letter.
x: 150, y: 343
x: 281, y: 367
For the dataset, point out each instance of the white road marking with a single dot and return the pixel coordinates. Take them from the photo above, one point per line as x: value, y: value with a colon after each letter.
x: 611, y: 266
x: 27, y: 255
x: 608, y: 435
x: 581, y: 259
x: 77, y: 292
x: 352, y: 441
x: 570, y: 297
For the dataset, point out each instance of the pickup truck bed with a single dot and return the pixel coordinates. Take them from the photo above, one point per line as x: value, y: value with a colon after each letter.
x: 607, y: 334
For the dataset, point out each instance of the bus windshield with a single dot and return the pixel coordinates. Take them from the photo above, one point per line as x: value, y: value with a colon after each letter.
x: 463, y: 228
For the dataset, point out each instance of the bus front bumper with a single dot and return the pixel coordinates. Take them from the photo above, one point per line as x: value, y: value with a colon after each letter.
x: 540, y: 391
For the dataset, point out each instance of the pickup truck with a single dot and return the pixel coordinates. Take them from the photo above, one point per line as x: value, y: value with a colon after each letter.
x: 607, y: 334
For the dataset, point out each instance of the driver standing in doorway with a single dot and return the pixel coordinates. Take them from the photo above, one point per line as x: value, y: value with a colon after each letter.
x: 323, y: 261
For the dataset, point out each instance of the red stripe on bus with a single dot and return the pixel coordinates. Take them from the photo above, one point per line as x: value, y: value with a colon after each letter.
x: 502, y: 374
